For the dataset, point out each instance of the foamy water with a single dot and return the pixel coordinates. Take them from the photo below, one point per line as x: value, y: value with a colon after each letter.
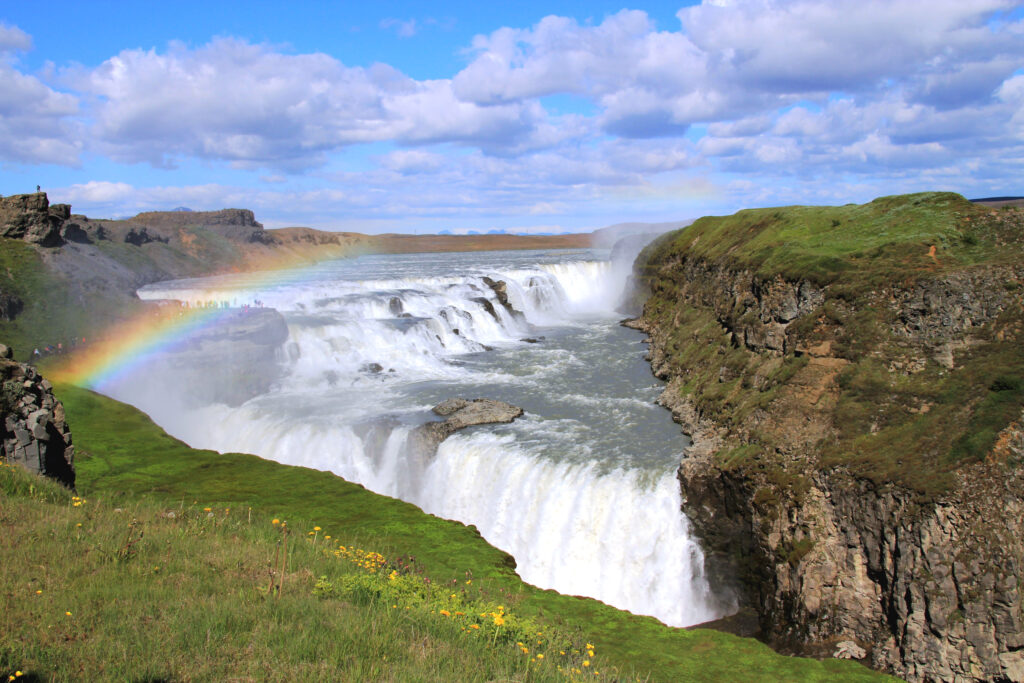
x: 581, y: 490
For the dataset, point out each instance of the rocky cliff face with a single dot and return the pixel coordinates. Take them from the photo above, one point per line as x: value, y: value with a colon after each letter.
x: 35, y: 434
x: 235, y: 224
x: 30, y: 217
x: 827, y: 477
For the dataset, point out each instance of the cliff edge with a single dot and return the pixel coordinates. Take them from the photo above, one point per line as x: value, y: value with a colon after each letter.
x: 853, y: 380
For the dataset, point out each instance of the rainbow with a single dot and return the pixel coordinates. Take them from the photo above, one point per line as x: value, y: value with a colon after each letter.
x: 132, y: 343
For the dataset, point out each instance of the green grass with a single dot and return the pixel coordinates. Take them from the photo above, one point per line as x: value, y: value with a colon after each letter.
x: 857, y: 245
x: 125, y: 461
x: 51, y: 313
x: 150, y: 591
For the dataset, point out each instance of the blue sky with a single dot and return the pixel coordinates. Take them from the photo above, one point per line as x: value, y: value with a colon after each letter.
x: 408, y: 117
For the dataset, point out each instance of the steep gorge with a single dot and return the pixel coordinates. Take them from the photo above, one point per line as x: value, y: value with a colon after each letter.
x: 852, y: 380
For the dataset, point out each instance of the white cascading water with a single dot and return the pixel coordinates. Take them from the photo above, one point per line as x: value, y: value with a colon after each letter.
x: 581, y: 490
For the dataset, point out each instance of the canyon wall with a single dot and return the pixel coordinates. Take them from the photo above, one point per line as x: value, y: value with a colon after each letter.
x: 857, y: 425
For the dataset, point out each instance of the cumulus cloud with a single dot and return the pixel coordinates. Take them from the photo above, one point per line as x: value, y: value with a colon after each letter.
x: 255, y: 106
x: 737, y: 61
x: 839, y: 95
x: 13, y: 38
x: 37, y: 123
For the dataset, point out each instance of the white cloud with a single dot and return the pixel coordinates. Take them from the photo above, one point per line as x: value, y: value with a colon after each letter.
x: 98, y: 192
x: 410, y: 161
x: 404, y: 28
x: 37, y: 123
x: 813, y: 96
x: 734, y: 61
x: 804, y: 46
x: 13, y: 38
x: 254, y: 106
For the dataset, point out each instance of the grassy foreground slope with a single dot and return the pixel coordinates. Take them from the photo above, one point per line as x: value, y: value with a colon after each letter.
x: 215, y: 621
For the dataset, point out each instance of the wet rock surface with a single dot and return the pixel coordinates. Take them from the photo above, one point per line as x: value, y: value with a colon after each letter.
x: 35, y: 433
x: 462, y: 413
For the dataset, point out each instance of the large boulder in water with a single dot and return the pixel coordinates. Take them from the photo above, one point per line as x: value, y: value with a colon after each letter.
x: 462, y: 413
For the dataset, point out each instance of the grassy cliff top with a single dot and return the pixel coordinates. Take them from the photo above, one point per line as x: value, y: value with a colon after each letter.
x: 886, y: 239
x: 906, y: 365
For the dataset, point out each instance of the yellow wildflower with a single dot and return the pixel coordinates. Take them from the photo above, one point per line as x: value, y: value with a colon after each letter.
x: 39, y: 592
x: 474, y: 626
x: 445, y: 613
x: 275, y: 521
x: 316, y: 528
x: 68, y: 613
x: 207, y: 510
x: 540, y: 656
x: 499, y: 620
x: 586, y: 662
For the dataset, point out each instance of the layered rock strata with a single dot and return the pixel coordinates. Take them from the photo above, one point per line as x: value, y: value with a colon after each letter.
x: 918, y: 570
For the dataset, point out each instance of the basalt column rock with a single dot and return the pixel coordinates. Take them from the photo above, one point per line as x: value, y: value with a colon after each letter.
x: 35, y: 433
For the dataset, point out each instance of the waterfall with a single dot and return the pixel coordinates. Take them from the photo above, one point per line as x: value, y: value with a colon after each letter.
x: 581, y: 491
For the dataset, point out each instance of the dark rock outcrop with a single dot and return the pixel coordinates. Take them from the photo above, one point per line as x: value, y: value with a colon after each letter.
x: 73, y: 231
x: 10, y: 306
x: 141, y: 236
x: 500, y: 289
x: 30, y: 217
x: 236, y: 224
x: 35, y: 434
